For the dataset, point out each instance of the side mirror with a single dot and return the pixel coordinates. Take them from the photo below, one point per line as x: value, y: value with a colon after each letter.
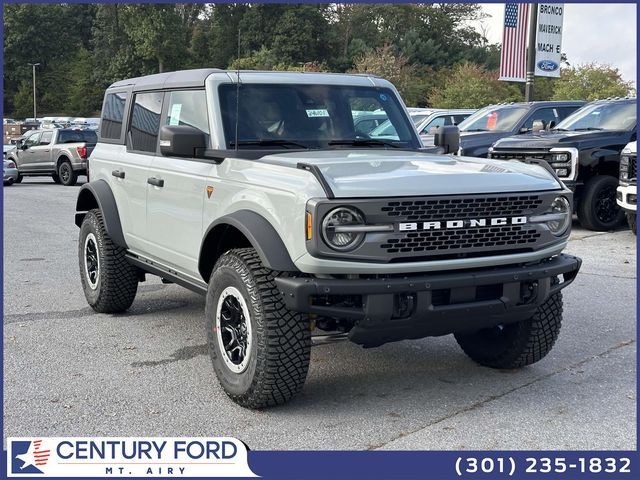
x: 447, y: 137
x: 22, y: 146
x: 181, y: 141
x: 538, y: 125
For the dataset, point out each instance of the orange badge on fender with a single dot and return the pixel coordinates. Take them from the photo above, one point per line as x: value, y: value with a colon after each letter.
x: 209, y: 191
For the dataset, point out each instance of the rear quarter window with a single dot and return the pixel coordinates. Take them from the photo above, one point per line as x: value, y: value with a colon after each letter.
x: 112, y: 115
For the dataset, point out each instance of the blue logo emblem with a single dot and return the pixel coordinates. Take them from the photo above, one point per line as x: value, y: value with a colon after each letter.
x: 548, y: 65
x: 28, y: 457
x: 383, y: 97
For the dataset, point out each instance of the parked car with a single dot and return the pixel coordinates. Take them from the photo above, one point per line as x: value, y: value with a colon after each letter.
x: 426, y: 128
x: 627, y: 195
x: 366, y: 122
x: 10, y: 172
x: 59, y: 153
x: 584, y: 150
x: 482, y: 129
x: 289, y: 222
x: 6, y: 149
x: 419, y: 116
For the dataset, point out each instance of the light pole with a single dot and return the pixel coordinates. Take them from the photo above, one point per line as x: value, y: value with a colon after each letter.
x: 34, y: 65
x: 531, y: 53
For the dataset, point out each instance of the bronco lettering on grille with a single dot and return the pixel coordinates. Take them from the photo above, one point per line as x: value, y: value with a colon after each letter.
x: 468, y: 223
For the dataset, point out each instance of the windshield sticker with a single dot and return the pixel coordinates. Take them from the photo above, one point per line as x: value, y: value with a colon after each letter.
x: 383, y: 97
x: 319, y: 112
x: 176, y: 108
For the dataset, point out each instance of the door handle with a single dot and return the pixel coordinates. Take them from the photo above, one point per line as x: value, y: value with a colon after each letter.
x: 118, y: 173
x: 157, y: 182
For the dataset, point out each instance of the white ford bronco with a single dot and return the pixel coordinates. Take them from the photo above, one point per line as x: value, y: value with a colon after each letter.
x: 256, y: 190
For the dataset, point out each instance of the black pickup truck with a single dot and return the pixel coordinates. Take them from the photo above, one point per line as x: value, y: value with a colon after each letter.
x: 584, y: 150
x: 489, y: 124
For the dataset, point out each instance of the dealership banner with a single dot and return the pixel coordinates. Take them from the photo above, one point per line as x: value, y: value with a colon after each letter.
x: 127, y: 457
x: 549, y: 39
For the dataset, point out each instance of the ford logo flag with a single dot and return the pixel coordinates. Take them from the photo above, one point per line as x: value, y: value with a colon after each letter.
x: 548, y: 65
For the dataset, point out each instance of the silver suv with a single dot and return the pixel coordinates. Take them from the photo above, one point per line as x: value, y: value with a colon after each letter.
x: 256, y: 190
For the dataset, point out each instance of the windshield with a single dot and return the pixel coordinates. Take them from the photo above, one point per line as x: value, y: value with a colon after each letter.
x: 494, y: 119
x: 601, y: 116
x: 309, y: 116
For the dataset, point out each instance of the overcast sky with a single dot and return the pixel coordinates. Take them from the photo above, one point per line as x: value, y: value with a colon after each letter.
x: 593, y: 32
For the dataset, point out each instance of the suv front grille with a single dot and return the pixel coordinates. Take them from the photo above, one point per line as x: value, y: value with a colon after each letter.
x: 445, y: 226
x: 460, y: 239
x: 462, y: 208
x: 633, y: 173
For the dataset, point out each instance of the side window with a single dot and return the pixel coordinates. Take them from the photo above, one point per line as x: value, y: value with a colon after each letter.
x: 566, y: 111
x: 457, y: 119
x: 188, y: 107
x: 33, y: 140
x: 548, y: 115
x: 46, y: 137
x: 145, y: 121
x: 436, y: 122
x: 112, y: 115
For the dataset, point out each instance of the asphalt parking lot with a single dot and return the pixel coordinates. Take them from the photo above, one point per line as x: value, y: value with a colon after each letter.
x: 71, y: 372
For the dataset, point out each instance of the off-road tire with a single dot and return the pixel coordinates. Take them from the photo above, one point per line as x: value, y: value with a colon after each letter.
x: 8, y: 183
x: 519, y: 344
x: 632, y: 220
x: 278, y: 359
x: 68, y: 177
x: 587, y: 208
x: 117, y: 281
x: 56, y: 178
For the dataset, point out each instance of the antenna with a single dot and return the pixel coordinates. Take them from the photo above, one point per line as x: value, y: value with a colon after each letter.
x: 237, y: 89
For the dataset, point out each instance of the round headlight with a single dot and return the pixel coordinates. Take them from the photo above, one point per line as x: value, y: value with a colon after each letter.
x: 561, y: 209
x: 335, y: 228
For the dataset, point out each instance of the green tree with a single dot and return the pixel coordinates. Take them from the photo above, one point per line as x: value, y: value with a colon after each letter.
x: 23, y: 101
x: 591, y: 82
x: 471, y: 86
x: 393, y: 67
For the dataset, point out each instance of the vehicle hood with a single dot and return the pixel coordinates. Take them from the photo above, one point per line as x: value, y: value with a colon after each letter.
x: 389, y: 173
x: 470, y: 140
x: 551, y: 139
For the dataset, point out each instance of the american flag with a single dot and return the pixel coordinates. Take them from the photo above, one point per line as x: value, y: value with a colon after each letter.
x: 514, y: 42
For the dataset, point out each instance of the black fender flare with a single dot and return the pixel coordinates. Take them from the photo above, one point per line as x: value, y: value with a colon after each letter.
x: 98, y: 194
x: 262, y: 236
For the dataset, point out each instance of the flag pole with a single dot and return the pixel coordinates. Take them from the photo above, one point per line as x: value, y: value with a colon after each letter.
x: 531, y: 52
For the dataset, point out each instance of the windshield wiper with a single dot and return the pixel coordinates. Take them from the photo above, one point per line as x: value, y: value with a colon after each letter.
x: 363, y: 141
x: 476, y: 130
x: 559, y: 129
x: 267, y: 142
x: 587, y: 129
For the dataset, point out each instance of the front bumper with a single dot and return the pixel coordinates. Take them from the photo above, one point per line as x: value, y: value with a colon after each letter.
x: 394, y: 309
x: 626, y: 197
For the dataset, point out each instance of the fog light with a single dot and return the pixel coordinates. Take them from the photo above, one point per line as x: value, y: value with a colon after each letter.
x: 631, y: 198
x: 562, y: 172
